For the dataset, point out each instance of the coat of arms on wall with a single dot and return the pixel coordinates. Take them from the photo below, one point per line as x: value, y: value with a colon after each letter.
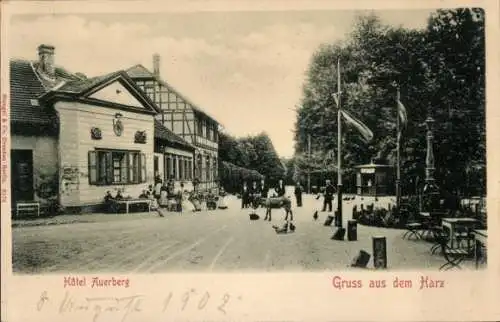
x: 117, y: 124
x: 140, y: 137
x: 95, y: 133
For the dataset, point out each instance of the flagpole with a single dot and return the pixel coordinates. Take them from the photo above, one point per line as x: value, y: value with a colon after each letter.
x: 339, y: 221
x: 398, y: 162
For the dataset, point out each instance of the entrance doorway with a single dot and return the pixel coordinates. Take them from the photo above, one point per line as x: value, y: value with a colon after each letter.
x: 22, y: 176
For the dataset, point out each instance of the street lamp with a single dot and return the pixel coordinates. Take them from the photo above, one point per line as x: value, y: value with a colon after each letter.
x: 431, y: 190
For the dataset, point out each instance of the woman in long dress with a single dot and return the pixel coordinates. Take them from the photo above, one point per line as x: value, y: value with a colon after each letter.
x: 163, y: 200
x: 187, y: 205
x: 221, y: 204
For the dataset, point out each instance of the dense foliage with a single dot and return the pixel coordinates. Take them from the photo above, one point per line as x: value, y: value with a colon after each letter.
x: 440, y: 72
x: 231, y: 176
x: 253, y: 153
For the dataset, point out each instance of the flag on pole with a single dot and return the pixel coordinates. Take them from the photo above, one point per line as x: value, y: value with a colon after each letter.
x: 403, y: 116
x: 336, y: 98
x: 362, y: 128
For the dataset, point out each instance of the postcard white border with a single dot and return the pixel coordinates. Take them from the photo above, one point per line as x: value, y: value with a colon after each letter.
x: 277, y: 296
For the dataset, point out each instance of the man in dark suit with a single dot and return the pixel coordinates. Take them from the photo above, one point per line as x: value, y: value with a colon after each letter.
x: 254, y: 195
x: 298, y: 194
x: 329, y: 192
x: 280, y: 189
x: 264, y: 189
x: 245, y: 195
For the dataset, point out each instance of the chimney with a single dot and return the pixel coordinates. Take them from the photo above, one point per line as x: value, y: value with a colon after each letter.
x: 46, y: 60
x: 156, y: 65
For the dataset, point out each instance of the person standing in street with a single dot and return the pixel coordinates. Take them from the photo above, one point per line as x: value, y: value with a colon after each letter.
x: 163, y: 200
x: 298, y: 194
x: 280, y: 189
x: 245, y: 194
x: 329, y: 192
x: 254, y: 195
x: 158, y: 185
x: 264, y: 190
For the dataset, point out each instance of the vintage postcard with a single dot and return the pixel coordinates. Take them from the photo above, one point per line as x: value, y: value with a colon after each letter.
x: 249, y: 161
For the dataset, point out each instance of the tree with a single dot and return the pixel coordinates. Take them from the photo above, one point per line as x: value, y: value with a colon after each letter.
x: 439, y: 71
x: 252, y: 153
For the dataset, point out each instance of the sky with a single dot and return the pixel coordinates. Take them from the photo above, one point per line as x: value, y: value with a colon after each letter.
x: 246, y: 69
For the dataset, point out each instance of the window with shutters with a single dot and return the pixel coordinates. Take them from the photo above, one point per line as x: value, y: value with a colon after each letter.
x: 174, y: 168
x: 156, y: 165
x: 181, y: 168
x: 186, y: 170
x: 207, y: 169
x: 214, y: 169
x: 199, y: 128
x: 108, y: 167
x: 199, y: 167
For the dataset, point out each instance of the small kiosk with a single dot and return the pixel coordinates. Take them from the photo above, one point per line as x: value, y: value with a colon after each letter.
x: 374, y: 179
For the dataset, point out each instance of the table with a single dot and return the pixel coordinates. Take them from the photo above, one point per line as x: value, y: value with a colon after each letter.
x: 480, y: 236
x: 452, y: 223
x: 127, y: 202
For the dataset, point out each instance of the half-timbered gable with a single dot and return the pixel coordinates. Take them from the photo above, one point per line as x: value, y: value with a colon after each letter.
x: 184, y: 118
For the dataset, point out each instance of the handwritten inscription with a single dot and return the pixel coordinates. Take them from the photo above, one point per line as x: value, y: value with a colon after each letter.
x: 424, y: 282
x: 198, y: 301
x: 100, y: 307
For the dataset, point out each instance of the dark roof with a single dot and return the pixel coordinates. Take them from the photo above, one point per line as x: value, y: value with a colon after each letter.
x: 162, y: 133
x: 81, y: 85
x: 30, y: 92
x: 140, y: 72
x: 25, y: 86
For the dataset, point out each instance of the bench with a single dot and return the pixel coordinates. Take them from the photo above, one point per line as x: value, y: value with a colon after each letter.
x: 28, y: 207
x: 128, y: 202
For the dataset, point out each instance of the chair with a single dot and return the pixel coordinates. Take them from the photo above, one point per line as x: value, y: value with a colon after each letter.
x: 413, y: 229
x: 438, y: 233
x: 453, y: 256
x: 463, y: 234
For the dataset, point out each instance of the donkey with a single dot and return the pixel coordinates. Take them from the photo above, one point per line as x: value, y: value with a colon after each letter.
x: 277, y: 203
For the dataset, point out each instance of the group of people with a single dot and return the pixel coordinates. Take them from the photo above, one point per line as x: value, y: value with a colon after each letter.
x: 251, y: 196
x: 166, y: 195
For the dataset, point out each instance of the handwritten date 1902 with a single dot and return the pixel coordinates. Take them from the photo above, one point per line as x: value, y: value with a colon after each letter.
x: 192, y: 300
